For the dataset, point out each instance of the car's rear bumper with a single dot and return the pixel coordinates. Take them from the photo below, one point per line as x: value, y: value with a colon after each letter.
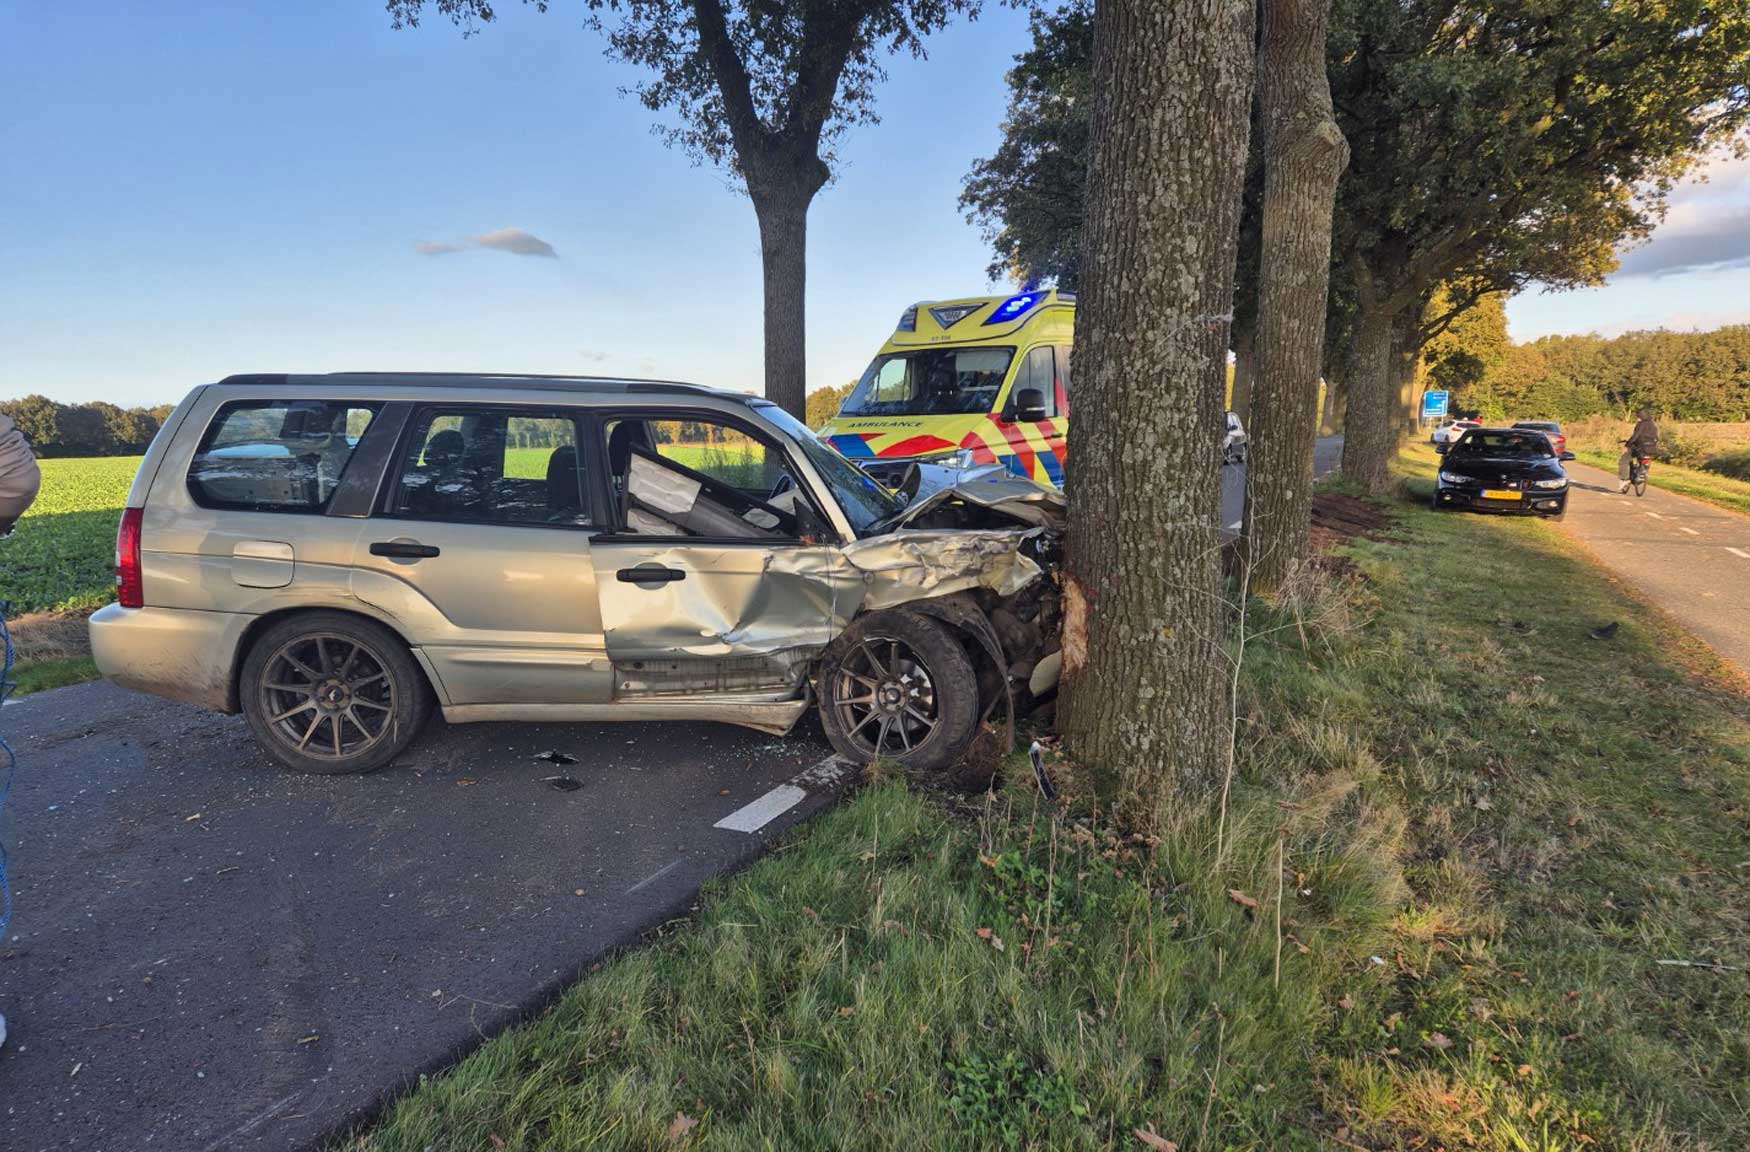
x: 1533, y: 503
x: 173, y: 652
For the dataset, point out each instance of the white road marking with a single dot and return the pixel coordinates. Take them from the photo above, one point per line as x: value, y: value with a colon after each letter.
x: 1739, y: 552
x: 750, y: 818
x: 753, y: 817
x: 657, y: 875
x: 1655, y: 515
x: 1691, y: 531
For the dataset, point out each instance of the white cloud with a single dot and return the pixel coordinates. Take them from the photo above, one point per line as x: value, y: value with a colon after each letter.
x: 1706, y: 228
x: 512, y: 240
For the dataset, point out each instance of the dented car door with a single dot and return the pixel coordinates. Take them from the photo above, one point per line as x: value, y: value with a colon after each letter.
x: 709, y: 586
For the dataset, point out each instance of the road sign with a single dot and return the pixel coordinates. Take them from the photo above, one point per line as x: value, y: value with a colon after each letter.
x: 1434, y: 403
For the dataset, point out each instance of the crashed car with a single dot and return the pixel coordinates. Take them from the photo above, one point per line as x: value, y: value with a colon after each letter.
x: 335, y: 556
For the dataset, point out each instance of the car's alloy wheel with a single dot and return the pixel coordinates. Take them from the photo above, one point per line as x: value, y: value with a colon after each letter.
x: 884, y: 698
x: 900, y: 686
x: 331, y: 692
x: 327, y: 696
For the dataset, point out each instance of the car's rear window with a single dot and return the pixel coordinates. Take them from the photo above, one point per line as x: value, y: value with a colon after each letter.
x: 277, y: 455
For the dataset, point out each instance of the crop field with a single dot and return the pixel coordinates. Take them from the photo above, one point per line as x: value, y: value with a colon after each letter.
x: 62, y: 554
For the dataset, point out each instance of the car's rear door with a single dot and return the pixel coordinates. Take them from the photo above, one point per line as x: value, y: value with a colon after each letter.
x: 479, y: 549
x: 710, y: 585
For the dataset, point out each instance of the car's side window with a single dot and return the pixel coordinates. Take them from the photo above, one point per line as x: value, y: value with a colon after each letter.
x: 1039, y: 373
x: 277, y: 455
x: 695, y: 476
x: 492, y: 465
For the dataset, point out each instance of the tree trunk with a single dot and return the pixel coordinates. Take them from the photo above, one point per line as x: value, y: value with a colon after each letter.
x: 1143, y: 668
x: 1244, y: 346
x: 1304, y: 153
x: 1406, y: 359
x: 1331, y: 421
x: 783, y: 220
x: 1370, y: 429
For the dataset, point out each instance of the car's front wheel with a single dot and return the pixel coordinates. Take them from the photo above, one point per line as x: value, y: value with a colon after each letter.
x: 899, y: 686
x: 332, y: 693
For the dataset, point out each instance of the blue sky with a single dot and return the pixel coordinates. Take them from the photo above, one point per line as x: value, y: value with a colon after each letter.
x: 214, y: 186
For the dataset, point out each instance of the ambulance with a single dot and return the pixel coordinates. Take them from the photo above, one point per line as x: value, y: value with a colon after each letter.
x: 966, y: 382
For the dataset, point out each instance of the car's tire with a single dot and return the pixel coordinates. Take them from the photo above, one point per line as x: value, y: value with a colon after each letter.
x: 907, y: 680
x: 353, y: 679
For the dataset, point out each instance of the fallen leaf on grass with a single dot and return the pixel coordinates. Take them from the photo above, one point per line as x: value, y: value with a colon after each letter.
x: 995, y: 940
x: 1241, y: 899
x: 847, y: 1012
x: 495, y: 1139
x: 1152, y: 1140
x: 681, y: 1125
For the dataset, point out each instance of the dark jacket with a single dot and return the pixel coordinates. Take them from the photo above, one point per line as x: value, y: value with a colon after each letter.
x: 1644, y: 440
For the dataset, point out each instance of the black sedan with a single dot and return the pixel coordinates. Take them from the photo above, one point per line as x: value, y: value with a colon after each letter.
x: 1503, y: 470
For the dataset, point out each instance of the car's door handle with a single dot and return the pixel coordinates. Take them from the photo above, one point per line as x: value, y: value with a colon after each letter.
x: 649, y: 574
x: 404, y: 549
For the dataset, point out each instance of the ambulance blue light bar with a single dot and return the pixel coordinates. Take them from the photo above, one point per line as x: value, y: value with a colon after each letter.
x: 1013, y: 307
x: 908, y: 320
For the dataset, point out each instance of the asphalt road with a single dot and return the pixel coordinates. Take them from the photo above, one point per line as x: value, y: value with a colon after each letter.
x: 210, y: 953
x: 1691, y: 559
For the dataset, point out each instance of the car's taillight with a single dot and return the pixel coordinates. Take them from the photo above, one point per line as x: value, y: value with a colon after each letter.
x: 129, y: 588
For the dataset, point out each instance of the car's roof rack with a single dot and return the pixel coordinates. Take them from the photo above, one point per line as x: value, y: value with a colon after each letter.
x: 539, y: 381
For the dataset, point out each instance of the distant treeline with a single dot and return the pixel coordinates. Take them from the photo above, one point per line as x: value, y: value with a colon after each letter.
x: 94, y: 429
x: 1691, y: 376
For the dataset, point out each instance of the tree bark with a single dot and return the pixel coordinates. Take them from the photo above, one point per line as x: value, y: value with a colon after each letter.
x: 1304, y: 154
x: 1245, y: 361
x: 784, y: 264
x: 1369, y: 430
x: 1406, y: 357
x: 1143, y: 671
x: 1331, y: 421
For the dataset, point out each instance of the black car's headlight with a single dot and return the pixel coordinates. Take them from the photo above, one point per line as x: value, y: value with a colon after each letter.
x: 1550, y: 483
x: 1452, y: 478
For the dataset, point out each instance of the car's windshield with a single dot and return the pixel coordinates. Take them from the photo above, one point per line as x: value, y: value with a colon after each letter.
x: 865, y: 502
x: 930, y: 382
x: 1504, y: 445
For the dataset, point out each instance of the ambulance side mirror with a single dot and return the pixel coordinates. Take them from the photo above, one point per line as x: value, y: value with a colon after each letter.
x: 1029, y: 405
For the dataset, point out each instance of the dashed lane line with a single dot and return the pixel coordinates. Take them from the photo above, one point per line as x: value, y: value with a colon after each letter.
x: 1691, y: 531
x: 1739, y: 552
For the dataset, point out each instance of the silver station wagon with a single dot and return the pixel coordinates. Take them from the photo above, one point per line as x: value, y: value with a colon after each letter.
x: 334, y: 556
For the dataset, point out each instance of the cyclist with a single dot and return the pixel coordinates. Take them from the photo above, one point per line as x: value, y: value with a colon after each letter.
x: 1643, y: 441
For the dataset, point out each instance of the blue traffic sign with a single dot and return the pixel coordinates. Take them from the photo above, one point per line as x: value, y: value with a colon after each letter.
x: 1434, y: 403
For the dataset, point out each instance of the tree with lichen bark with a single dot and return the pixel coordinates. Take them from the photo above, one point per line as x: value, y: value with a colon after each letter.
x: 1303, y: 155
x: 1142, y: 669
x: 764, y: 89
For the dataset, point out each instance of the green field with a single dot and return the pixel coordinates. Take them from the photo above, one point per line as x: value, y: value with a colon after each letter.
x: 62, y: 554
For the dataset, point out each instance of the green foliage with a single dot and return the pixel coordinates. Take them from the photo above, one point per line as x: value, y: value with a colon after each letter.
x: 62, y: 552
x: 94, y: 429
x: 823, y: 404
x: 1028, y: 195
x: 1006, y: 1104
x: 1690, y: 376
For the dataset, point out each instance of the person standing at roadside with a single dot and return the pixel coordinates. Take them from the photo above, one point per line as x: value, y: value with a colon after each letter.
x: 19, y: 477
x: 1643, y: 441
x: 19, y: 480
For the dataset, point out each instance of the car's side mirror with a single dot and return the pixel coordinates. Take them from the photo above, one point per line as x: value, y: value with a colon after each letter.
x: 1441, y: 447
x: 1029, y: 405
x: 1566, y: 456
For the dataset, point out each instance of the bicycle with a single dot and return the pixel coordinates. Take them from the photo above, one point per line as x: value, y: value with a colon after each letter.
x: 1637, y: 472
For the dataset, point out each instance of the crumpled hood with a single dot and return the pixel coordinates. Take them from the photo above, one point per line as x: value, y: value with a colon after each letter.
x: 996, y: 490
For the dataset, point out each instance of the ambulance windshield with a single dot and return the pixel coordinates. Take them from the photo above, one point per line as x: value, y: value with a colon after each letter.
x: 930, y: 382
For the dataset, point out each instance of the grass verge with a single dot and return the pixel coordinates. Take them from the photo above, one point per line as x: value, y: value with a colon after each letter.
x: 1464, y: 841
x: 1725, y: 491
